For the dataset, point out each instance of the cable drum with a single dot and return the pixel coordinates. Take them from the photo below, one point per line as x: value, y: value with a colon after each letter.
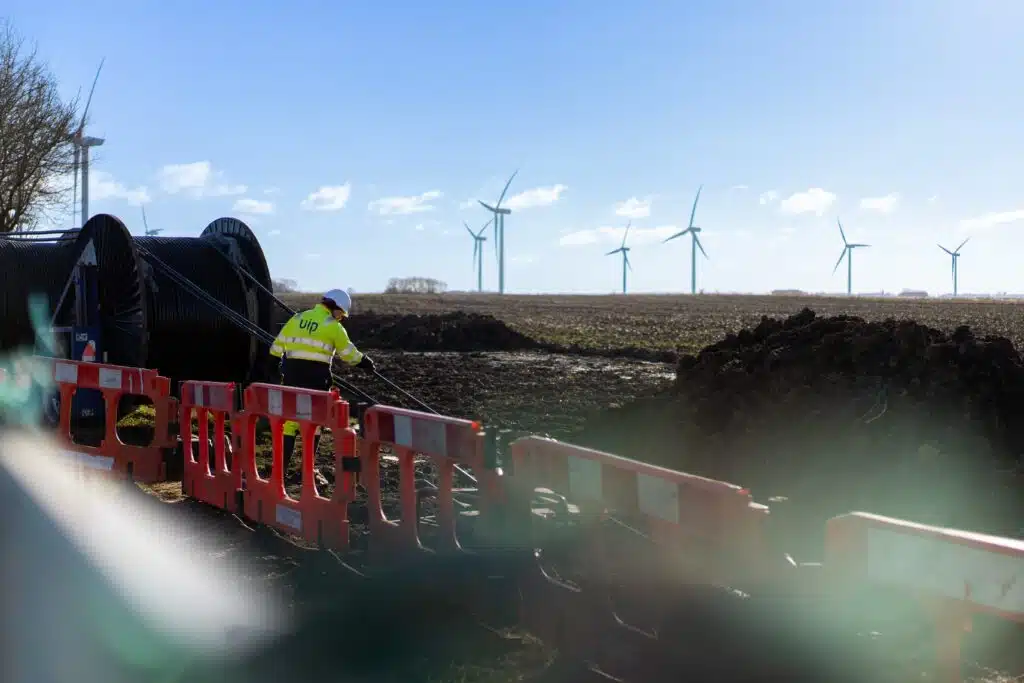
x: 149, y: 318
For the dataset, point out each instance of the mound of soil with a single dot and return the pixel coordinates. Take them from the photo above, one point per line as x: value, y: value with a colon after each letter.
x: 457, y: 331
x: 839, y: 414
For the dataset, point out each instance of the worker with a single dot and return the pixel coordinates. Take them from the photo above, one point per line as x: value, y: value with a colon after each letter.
x: 306, y: 346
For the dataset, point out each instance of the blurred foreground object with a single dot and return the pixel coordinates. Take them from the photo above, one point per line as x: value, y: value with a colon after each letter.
x: 101, y: 585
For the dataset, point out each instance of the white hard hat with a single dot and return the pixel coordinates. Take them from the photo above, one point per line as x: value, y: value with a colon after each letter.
x: 340, y: 298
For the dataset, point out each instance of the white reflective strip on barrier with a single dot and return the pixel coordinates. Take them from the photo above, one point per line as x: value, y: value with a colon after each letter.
x: 197, y: 394
x: 304, y: 406
x: 110, y: 378
x: 275, y: 402
x: 433, y: 437
x: 403, y: 430
x: 288, y: 516
x: 95, y: 462
x: 657, y: 497
x: 585, y: 479
x: 922, y: 563
x: 66, y: 373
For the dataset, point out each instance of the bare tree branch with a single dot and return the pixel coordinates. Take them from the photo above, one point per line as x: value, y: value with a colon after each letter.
x: 36, y: 126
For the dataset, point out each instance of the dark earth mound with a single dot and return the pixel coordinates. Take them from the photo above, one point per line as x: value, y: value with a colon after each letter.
x: 455, y: 331
x: 458, y: 331
x: 840, y: 414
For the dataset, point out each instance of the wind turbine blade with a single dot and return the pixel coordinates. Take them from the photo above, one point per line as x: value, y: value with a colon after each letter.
x: 628, y: 264
x: 498, y: 205
x: 469, y: 230
x: 945, y: 250
x: 678, y: 234
x: 145, y: 223
x: 693, y: 212
x: 839, y: 261
x: 88, y: 102
x: 614, y: 251
x: 491, y: 220
x: 700, y: 246
x: 626, y: 234
x: 962, y: 245
x: 841, y: 232
x: 487, y: 206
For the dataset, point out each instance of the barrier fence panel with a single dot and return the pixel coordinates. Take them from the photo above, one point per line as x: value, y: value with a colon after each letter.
x: 219, y: 485
x: 640, y: 537
x: 447, y: 442
x: 144, y: 464
x: 313, y: 517
x: 953, y: 575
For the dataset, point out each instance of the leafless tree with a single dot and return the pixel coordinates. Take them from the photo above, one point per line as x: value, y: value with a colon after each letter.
x: 415, y: 285
x: 36, y: 126
x: 285, y: 286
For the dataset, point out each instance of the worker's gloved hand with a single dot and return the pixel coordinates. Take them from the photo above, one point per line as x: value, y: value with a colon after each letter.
x: 367, y: 364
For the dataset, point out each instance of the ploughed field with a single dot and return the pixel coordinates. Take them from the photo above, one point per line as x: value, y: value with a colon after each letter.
x: 909, y: 407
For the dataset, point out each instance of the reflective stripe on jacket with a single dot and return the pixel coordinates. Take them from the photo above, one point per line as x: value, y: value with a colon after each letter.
x: 315, y: 335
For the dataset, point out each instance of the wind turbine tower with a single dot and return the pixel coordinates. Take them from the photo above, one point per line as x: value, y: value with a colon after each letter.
x: 955, y: 255
x: 693, y: 231
x: 624, y: 250
x: 499, y: 231
x: 478, y: 253
x: 848, y: 255
x: 82, y: 143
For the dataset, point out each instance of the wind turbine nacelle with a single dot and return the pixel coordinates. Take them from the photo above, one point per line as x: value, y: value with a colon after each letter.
x: 92, y: 142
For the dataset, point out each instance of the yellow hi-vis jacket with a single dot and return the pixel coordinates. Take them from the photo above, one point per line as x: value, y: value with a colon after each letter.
x: 315, y: 335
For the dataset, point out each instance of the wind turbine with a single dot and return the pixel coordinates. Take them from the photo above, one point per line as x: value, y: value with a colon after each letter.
x: 694, y: 233
x: 499, y: 232
x: 955, y: 254
x: 478, y: 252
x: 82, y: 144
x: 624, y: 250
x: 145, y: 224
x: 848, y: 255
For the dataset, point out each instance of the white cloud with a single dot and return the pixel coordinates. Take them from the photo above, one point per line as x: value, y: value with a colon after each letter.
x: 103, y: 186
x: 634, y: 208
x: 403, y: 206
x: 538, y: 196
x: 253, y: 206
x: 197, y: 179
x: 990, y: 220
x: 610, y: 235
x: 934, y: 198
x: 468, y: 204
x: 328, y: 198
x: 740, y: 187
x: 272, y: 190
x: 768, y: 197
x: 886, y: 204
x: 814, y: 200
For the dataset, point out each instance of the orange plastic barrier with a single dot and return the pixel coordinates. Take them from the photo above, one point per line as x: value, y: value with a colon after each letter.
x: 621, y: 541
x: 445, y: 441
x: 144, y: 464
x: 313, y: 517
x: 220, y: 485
x: 713, y: 519
x: 953, y: 574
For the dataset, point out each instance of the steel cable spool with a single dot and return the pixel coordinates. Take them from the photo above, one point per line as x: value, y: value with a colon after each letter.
x: 147, y: 318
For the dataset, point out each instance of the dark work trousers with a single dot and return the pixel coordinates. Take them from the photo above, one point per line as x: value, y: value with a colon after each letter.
x: 303, y: 374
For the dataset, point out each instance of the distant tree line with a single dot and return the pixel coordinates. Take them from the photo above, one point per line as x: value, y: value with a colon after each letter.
x: 415, y: 285
x: 285, y: 286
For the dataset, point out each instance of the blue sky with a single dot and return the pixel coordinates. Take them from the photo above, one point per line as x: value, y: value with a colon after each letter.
x: 353, y: 137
